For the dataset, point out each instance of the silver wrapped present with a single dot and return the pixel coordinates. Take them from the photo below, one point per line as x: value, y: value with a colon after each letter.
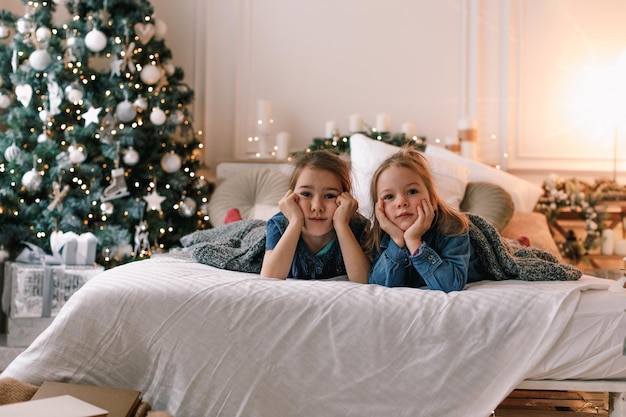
x: 40, y: 291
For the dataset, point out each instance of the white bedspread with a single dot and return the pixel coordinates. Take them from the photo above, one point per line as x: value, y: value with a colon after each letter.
x: 198, y: 341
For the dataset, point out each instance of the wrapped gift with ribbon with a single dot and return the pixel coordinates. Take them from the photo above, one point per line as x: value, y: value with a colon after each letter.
x: 38, y: 284
x: 74, y: 249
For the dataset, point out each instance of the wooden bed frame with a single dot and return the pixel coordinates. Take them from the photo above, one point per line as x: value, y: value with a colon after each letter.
x: 615, y: 388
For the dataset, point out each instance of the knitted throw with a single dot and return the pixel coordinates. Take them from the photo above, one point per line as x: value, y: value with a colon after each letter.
x: 237, y: 246
x: 506, y: 259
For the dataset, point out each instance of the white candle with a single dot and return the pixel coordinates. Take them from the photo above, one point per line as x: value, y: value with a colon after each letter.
x: 282, y: 145
x: 620, y: 247
x: 608, y: 242
x: 468, y: 149
x: 356, y: 123
x: 262, y: 147
x: 382, y: 123
x: 408, y: 129
x: 264, y: 116
x: 331, y: 127
x: 263, y: 110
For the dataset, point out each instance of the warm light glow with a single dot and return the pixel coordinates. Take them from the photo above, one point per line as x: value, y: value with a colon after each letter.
x: 597, y: 97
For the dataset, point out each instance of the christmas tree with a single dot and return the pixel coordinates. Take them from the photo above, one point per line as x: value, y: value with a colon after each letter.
x: 95, y: 131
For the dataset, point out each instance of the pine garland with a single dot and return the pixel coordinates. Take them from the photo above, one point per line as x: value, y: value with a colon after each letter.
x: 341, y: 143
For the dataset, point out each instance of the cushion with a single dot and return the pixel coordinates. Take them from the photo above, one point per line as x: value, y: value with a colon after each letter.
x: 533, y: 225
x: 254, y: 192
x: 490, y: 201
x: 367, y: 154
x: 524, y: 193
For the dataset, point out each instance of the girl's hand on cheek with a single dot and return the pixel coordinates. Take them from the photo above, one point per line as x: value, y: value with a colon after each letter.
x: 288, y: 205
x: 425, y: 216
x: 346, y: 207
x: 387, y: 225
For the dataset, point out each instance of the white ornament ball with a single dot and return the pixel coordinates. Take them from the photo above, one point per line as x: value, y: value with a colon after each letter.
x: 77, y: 153
x: 43, y: 137
x: 4, y: 31
x: 178, y: 117
x: 43, y: 34
x: 171, y: 162
x: 188, y: 207
x: 45, y: 116
x: 5, y: 101
x: 131, y: 156
x: 95, y: 40
x: 74, y: 94
x: 157, y: 116
x: 12, y: 153
x: 24, y: 25
x: 141, y: 103
x: 150, y: 74
x: 39, y: 59
x: 31, y: 180
x: 72, y: 41
x: 125, y: 111
x: 160, y: 29
x: 106, y: 208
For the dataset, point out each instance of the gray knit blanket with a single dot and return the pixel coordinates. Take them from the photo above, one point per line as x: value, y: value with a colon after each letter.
x: 240, y: 246
x: 507, y: 259
x: 236, y: 246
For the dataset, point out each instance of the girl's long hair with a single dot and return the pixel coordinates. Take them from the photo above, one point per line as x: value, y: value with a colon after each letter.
x: 448, y: 221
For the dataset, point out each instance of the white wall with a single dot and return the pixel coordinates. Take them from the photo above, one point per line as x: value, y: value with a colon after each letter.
x: 321, y: 60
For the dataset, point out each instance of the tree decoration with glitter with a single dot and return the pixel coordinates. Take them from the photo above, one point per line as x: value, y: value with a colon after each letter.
x: 95, y: 130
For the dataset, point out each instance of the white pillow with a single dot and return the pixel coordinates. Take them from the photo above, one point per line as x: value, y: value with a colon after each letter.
x: 367, y: 154
x: 524, y: 193
x: 255, y: 192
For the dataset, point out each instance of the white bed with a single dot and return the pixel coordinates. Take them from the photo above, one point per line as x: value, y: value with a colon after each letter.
x: 201, y: 341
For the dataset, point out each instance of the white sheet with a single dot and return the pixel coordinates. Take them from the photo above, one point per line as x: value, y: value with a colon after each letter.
x: 198, y: 341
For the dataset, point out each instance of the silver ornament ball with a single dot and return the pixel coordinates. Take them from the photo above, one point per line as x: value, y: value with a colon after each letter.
x: 12, y: 153
x: 131, y: 156
x: 107, y: 208
x: 150, y: 74
x: 43, y: 137
x: 77, y: 153
x: 43, y: 34
x: 188, y: 207
x: 39, y: 59
x: 5, y: 101
x: 125, y: 111
x: 171, y: 162
x: 157, y: 116
x: 95, y: 40
x: 31, y: 180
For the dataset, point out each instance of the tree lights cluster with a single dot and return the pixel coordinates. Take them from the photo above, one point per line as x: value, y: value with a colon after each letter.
x: 95, y: 130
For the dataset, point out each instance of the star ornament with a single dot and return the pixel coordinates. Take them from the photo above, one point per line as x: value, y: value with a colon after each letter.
x: 154, y: 201
x: 91, y: 116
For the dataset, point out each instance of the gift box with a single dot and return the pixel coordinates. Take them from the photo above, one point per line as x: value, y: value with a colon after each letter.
x: 70, y: 248
x: 41, y: 290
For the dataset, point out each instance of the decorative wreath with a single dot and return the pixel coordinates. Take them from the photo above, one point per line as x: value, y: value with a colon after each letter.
x: 588, y: 200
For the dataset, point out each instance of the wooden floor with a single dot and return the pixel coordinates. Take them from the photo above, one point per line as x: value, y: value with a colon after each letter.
x: 527, y: 403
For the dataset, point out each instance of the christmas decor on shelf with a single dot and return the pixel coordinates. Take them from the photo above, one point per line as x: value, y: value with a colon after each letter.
x: 93, y: 115
x: 586, y: 200
x: 335, y: 142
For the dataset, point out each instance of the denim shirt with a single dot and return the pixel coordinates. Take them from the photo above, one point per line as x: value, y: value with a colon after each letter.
x: 306, y: 265
x: 442, y: 262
